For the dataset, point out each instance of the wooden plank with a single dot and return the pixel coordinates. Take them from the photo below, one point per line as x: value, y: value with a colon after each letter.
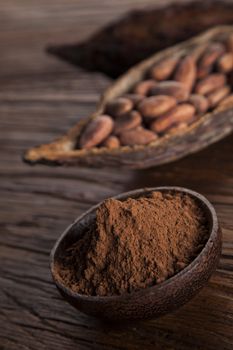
x: 40, y: 99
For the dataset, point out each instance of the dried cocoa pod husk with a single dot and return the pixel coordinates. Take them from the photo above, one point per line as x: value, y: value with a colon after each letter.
x: 204, y: 131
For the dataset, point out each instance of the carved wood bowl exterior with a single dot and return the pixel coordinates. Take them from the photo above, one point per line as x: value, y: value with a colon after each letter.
x: 152, y: 301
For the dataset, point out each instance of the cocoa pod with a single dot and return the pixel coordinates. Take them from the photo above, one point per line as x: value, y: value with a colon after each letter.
x: 199, y: 102
x: 211, y: 126
x: 111, y: 142
x: 210, y: 83
x: 138, y: 136
x: 211, y: 55
x: 163, y: 69
x: 171, y: 88
x: 129, y: 121
x: 143, y: 87
x: 119, y: 106
x: 154, y: 106
x: 217, y: 95
x: 225, y: 62
x: 186, y: 72
x: 96, y: 131
x: 180, y: 114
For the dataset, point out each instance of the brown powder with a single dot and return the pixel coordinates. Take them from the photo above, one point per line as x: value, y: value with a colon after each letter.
x: 135, y: 244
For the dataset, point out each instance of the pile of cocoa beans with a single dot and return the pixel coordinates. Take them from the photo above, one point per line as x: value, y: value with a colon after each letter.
x: 175, y: 92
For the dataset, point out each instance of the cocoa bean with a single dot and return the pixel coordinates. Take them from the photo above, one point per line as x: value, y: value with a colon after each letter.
x: 210, y: 83
x: 154, y: 106
x: 203, y: 72
x: 119, y: 106
x: 129, y: 121
x: 225, y: 63
x: 143, y: 87
x: 135, y: 98
x: 197, y: 52
x: 217, y: 95
x: 96, y: 131
x: 182, y: 113
x: 186, y: 72
x: 111, y: 142
x: 199, y: 102
x: 138, y: 136
x: 227, y: 101
x: 210, y: 55
x: 176, y: 128
x: 171, y: 88
x: 163, y: 70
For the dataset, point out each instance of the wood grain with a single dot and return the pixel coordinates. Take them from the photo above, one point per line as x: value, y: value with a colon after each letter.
x: 40, y: 99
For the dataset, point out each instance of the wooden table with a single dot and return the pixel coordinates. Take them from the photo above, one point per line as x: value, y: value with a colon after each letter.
x: 41, y: 97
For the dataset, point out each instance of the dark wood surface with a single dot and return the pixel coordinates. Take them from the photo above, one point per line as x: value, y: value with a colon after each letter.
x: 42, y: 97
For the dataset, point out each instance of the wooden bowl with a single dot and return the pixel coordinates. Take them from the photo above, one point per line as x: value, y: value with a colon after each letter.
x: 152, y: 301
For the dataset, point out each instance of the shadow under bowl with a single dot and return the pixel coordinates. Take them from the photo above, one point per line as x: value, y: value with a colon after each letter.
x: 152, y: 301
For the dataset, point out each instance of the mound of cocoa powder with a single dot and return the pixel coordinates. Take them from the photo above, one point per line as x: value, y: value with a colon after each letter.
x: 134, y: 244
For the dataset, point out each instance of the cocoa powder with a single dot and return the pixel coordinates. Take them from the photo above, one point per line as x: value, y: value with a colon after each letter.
x: 134, y: 244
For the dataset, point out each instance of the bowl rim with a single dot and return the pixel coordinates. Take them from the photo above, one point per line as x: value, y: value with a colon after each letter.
x: 214, y: 228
